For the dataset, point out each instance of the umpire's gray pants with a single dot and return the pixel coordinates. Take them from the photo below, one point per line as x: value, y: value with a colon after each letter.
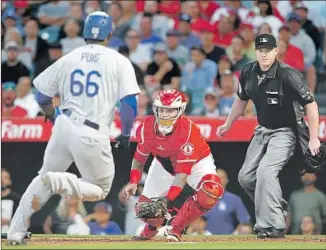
x: 268, y: 152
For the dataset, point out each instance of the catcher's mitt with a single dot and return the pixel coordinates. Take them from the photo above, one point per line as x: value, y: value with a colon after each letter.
x: 153, y: 209
x: 315, y: 164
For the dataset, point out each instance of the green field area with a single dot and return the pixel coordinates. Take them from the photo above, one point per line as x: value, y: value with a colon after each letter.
x: 188, y: 242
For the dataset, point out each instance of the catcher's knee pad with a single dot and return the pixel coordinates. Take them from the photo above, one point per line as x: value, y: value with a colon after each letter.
x: 209, y: 191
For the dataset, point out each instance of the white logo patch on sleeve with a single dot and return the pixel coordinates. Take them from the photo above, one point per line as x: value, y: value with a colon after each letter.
x: 188, y: 149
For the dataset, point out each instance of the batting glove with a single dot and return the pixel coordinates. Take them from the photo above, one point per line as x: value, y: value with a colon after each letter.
x: 123, y: 141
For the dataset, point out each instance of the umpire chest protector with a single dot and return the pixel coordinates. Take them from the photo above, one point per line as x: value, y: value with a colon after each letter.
x: 279, y: 95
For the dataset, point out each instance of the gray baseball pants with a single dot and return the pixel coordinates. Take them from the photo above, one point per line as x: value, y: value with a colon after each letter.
x: 268, y: 152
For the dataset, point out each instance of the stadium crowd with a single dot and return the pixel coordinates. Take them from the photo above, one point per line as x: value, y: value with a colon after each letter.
x: 198, y: 47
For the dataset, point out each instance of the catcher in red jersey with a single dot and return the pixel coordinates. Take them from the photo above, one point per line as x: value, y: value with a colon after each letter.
x: 181, y: 156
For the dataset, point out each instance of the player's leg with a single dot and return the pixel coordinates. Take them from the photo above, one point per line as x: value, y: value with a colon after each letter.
x: 157, y: 184
x: 56, y: 158
x: 268, y: 196
x: 92, y: 154
x: 255, y: 152
x: 204, y: 180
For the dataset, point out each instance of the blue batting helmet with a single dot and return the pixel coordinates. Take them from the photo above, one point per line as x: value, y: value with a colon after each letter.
x: 98, y: 26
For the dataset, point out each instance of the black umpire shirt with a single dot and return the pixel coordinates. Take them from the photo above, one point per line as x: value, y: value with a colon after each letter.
x: 278, y: 94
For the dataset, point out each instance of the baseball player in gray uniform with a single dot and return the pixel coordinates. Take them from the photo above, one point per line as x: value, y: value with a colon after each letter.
x: 91, y: 80
x: 279, y: 92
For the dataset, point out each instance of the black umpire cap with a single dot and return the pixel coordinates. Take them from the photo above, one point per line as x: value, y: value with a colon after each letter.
x: 265, y: 40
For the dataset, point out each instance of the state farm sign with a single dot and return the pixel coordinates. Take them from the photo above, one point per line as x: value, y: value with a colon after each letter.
x: 35, y: 130
x: 21, y: 131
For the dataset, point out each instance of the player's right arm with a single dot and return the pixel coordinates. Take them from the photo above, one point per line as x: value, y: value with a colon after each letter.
x: 138, y: 163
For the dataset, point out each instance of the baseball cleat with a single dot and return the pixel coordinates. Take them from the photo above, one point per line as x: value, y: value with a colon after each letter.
x: 172, y: 235
x: 270, y: 233
x: 16, y: 242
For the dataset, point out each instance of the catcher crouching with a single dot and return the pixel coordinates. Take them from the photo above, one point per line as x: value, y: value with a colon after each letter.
x: 181, y: 155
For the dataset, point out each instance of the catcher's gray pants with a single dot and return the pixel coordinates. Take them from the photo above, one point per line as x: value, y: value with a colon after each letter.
x: 268, y: 152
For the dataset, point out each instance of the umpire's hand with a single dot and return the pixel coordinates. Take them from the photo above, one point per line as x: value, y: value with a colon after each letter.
x: 221, y: 130
x: 122, y: 141
x: 314, y: 145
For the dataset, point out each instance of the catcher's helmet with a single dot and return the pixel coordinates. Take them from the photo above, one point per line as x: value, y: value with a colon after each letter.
x: 315, y: 163
x: 98, y: 26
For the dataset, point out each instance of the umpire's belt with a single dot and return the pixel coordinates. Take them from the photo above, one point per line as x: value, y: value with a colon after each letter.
x: 86, y: 122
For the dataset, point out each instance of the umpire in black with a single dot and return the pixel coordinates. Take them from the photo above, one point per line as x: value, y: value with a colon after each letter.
x: 279, y: 92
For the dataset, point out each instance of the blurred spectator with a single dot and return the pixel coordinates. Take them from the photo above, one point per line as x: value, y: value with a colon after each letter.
x: 198, y: 226
x: 308, y: 226
x: 25, y: 98
x: 208, y: 8
x: 160, y: 24
x: 228, y: 92
x: 301, y: 40
x: 120, y: 28
x: 248, y: 35
x: 9, y: 200
x: 55, y: 53
x: 92, y: 6
x: 163, y: 70
x: 212, y: 51
x: 236, y: 6
x: 170, y: 8
x: 34, y: 44
x: 147, y: 35
x: 175, y: 50
x: 289, y: 53
x: 67, y: 218
x: 128, y: 11
x: 72, y: 41
x: 13, y: 34
x: 124, y: 50
x: 224, y: 31
x: 143, y: 103
x: 229, y: 215
x: 223, y: 65
x: 132, y: 224
x: 99, y: 221
x: 236, y: 54
x: 307, y: 25
x: 13, y: 69
x: 188, y: 39
x: 266, y: 15
x: 77, y: 13
x: 53, y: 13
x: 316, y: 10
x: 3, y: 31
x: 211, y: 103
x: 264, y: 28
x: 192, y: 9
x: 139, y: 53
x: 306, y: 201
x: 197, y: 76
x: 10, y: 20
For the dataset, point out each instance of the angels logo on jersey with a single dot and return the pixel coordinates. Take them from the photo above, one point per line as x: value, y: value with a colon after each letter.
x: 188, y: 149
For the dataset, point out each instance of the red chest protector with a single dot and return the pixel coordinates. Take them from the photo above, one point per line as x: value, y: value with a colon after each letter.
x: 163, y: 147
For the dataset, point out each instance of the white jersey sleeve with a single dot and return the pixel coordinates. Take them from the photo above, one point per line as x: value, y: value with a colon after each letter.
x: 48, y: 81
x: 127, y: 79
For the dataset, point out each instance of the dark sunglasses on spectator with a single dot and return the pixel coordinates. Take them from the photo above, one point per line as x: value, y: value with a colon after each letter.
x: 132, y: 37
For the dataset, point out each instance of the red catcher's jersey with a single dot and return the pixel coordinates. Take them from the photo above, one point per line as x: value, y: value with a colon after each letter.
x: 177, y: 152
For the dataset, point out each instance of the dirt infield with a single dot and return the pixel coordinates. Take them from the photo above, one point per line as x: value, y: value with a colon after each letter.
x: 39, y: 240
